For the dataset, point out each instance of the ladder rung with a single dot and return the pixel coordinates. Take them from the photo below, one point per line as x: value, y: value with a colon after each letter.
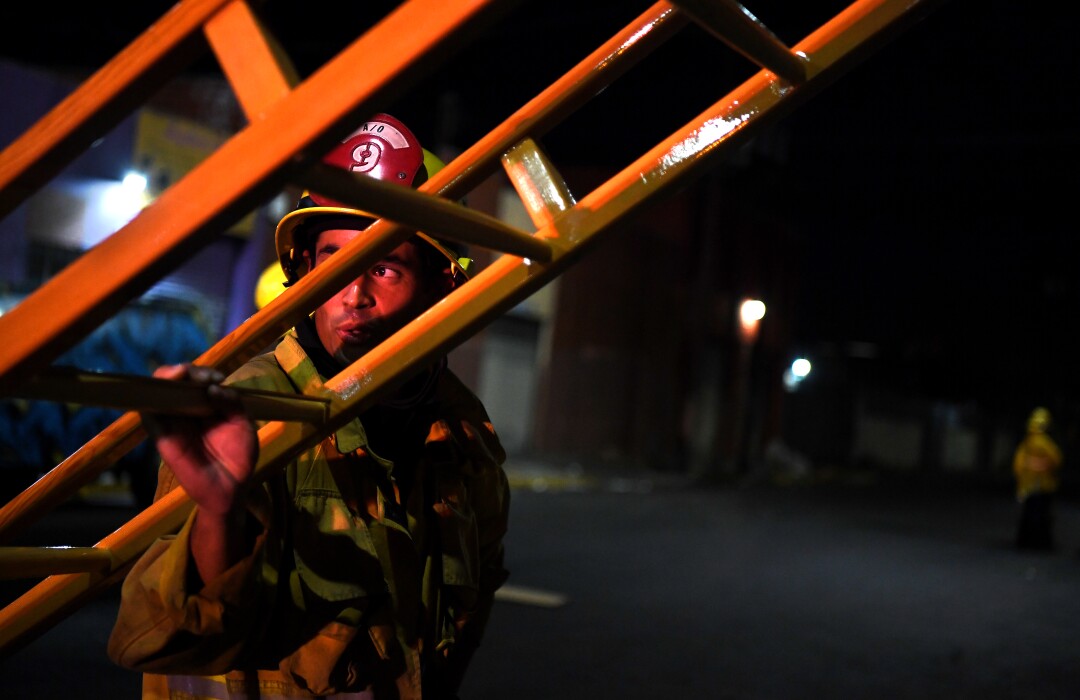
x: 33, y: 562
x: 258, y: 70
x: 541, y: 188
x: 432, y: 215
x: 134, y: 392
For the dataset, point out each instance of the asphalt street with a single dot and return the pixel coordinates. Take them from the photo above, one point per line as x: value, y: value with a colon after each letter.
x: 636, y: 587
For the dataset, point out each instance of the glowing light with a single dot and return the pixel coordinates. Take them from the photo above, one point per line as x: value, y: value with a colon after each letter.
x: 751, y: 311
x: 134, y: 182
x: 122, y: 201
x: 796, y: 373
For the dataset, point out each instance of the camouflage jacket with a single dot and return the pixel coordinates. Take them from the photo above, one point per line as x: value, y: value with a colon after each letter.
x: 370, y: 577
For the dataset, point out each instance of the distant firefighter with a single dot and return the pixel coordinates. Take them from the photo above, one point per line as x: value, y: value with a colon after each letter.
x: 1036, y: 465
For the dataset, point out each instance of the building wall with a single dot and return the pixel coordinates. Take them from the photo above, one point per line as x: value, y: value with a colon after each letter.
x: 612, y: 387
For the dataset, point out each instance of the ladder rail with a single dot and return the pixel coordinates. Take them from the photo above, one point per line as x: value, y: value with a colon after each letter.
x: 422, y: 212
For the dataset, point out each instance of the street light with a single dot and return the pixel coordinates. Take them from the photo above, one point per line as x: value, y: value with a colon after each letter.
x: 751, y: 311
x: 796, y: 373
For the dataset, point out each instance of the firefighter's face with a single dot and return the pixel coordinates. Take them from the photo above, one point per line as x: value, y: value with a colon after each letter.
x: 375, y: 305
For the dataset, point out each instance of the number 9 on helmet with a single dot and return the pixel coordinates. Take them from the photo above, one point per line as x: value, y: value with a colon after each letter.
x: 383, y: 148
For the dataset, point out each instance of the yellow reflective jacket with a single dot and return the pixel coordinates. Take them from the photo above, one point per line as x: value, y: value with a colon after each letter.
x: 367, y: 574
x: 1036, y: 465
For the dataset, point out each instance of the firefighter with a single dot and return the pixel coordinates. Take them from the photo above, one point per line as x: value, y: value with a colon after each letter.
x: 1036, y: 466
x: 367, y: 568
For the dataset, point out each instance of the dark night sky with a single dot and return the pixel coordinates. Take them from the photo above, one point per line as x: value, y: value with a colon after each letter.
x: 957, y: 239
x: 932, y: 182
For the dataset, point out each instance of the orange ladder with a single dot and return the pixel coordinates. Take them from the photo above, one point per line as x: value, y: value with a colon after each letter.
x: 291, y: 123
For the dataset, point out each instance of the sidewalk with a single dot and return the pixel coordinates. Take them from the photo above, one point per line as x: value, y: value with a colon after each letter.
x: 541, y: 476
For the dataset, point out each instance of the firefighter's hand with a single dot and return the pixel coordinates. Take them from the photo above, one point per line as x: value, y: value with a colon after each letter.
x: 213, y: 456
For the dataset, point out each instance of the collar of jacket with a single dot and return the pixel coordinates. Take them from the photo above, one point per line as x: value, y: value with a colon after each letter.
x: 297, y: 359
x: 292, y: 358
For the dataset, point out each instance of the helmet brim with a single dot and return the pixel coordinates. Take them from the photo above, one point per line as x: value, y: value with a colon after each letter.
x: 285, y: 239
